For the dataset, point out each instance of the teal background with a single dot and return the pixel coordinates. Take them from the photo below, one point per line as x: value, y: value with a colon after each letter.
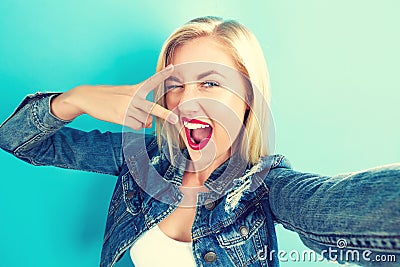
x: 335, y: 98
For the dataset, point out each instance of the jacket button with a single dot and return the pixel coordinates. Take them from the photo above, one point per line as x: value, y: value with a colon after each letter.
x: 209, y: 204
x: 210, y: 256
x: 130, y: 195
x: 243, y: 230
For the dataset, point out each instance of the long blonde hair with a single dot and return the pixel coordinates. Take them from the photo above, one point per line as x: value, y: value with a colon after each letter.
x: 249, y: 60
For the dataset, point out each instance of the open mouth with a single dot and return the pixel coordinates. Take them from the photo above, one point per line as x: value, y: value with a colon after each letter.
x: 198, y: 133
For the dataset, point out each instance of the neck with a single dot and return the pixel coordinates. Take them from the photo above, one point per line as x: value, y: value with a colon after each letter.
x: 198, y: 174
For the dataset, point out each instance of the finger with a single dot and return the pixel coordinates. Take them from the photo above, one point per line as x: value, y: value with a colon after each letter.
x: 164, y: 114
x: 152, y: 82
x: 133, y: 123
x: 139, y: 115
x: 158, y: 111
x: 149, y: 123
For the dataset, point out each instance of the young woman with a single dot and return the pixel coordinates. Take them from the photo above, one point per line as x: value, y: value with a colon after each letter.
x: 205, y: 190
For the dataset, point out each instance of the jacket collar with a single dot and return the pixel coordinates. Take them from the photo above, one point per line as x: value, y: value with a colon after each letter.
x: 222, y: 179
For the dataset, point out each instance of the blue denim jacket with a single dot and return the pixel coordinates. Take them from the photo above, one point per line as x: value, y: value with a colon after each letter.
x: 355, y: 212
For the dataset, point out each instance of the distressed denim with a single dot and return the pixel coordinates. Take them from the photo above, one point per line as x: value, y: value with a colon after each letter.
x: 237, y: 226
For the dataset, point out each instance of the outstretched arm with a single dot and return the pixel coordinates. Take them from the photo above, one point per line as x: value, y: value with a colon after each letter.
x: 357, y: 211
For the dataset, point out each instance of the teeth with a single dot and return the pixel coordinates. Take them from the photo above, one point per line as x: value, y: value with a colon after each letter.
x: 193, y: 126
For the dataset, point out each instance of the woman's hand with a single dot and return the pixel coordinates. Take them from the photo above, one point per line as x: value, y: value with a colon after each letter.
x: 114, y: 103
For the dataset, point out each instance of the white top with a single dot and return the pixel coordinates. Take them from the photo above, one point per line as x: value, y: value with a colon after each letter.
x: 155, y: 249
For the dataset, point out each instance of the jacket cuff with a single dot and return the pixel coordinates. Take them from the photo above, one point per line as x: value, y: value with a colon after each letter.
x: 41, y: 112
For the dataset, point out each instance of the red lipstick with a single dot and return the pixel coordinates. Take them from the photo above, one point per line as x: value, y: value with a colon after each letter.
x: 194, y: 145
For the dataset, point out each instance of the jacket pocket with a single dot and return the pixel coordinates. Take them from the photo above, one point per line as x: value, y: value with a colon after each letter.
x: 245, y: 239
x: 131, y: 194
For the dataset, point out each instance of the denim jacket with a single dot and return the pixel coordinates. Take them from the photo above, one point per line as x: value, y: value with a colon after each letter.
x: 356, y: 212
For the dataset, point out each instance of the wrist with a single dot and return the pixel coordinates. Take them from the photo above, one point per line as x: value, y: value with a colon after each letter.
x: 63, y: 107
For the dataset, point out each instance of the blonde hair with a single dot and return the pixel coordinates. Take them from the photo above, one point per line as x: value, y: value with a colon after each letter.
x: 249, y: 60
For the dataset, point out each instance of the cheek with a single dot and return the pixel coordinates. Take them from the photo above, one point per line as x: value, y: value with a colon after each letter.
x: 171, y: 101
x: 237, y: 106
x: 229, y: 122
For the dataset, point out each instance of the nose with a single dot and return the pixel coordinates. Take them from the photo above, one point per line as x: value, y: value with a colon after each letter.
x: 189, y: 101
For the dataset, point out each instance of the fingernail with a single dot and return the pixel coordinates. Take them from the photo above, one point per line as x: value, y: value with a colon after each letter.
x: 173, y: 118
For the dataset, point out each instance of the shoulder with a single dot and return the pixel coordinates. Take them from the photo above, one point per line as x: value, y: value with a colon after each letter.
x: 137, y: 144
x: 269, y: 167
x: 144, y: 150
x: 271, y: 162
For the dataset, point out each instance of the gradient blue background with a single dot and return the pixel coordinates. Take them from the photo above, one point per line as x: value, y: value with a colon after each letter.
x: 335, y: 98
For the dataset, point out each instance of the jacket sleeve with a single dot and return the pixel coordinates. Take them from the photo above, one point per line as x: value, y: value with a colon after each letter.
x: 356, y: 213
x: 36, y: 136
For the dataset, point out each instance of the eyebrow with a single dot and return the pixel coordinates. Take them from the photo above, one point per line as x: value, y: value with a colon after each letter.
x: 200, y: 76
x: 207, y: 73
x: 173, y: 79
